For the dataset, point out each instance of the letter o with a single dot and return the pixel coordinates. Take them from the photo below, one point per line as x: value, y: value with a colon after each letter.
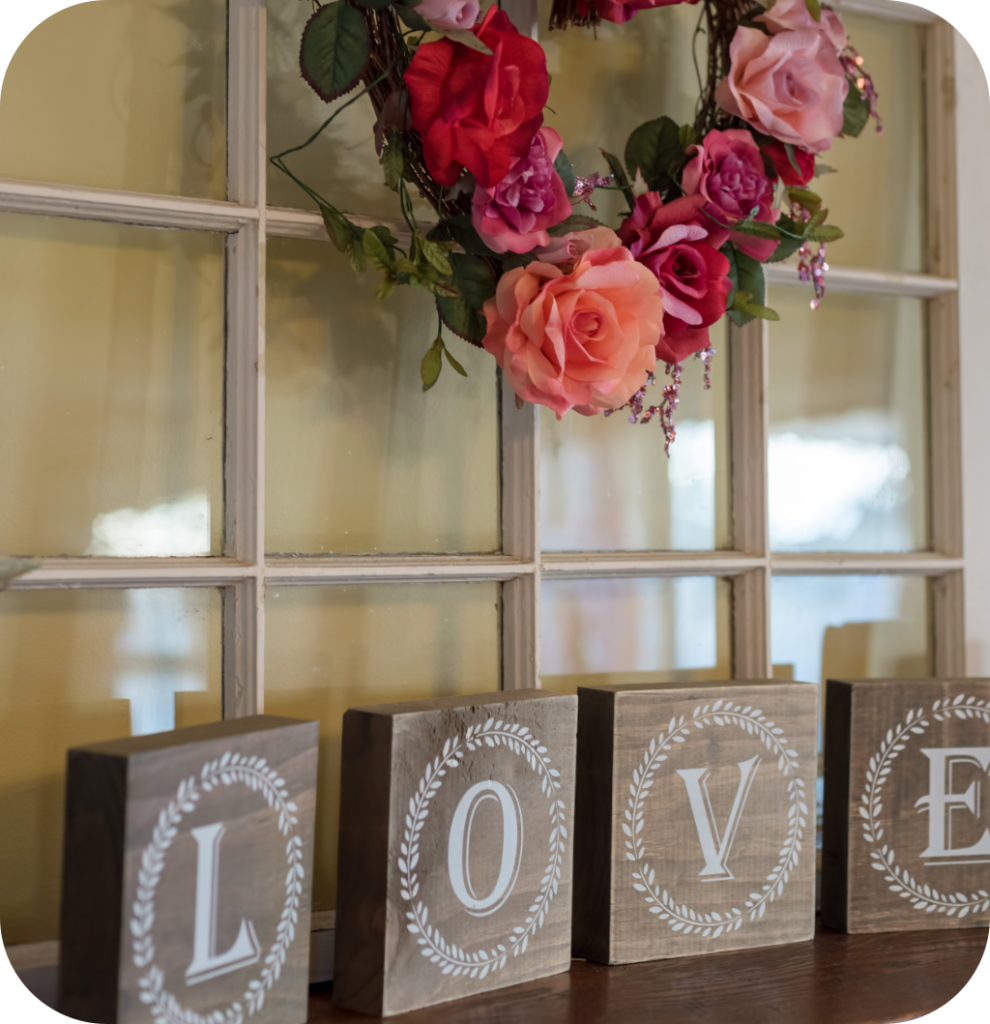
x: 459, y: 845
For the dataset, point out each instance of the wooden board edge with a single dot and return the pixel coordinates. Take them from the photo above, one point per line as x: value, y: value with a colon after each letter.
x: 835, y: 805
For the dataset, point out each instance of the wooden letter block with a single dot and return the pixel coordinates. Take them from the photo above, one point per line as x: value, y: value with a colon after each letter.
x: 695, y: 823
x: 454, y: 862
x: 906, y: 840
x: 187, y: 875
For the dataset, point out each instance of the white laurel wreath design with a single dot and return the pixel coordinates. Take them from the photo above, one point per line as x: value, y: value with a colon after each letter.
x: 921, y: 896
x: 455, y: 961
x: 683, y: 919
x: 232, y: 768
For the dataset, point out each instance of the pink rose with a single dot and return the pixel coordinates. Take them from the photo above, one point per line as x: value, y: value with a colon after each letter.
x: 790, y: 86
x: 620, y: 11
x: 582, y: 340
x: 727, y: 170
x: 571, y: 247
x: 443, y: 14
x: 513, y: 215
x: 692, y: 273
x: 793, y: 15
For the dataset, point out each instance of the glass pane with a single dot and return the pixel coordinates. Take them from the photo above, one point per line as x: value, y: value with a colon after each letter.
x: 884, y: 226
x: 634, y: 631
x: 606, y: 484
x: 360, y: 460
x: 77, y: 667
x: 848, y: 424
x: 124, y: 94
x: 331, y: 648
x: 111, y: 389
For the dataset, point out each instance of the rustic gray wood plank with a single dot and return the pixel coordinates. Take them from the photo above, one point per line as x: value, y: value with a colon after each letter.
x: 455, y: 850
x: 695, y: 826
x: 187, y: 875
x: 906, y: 823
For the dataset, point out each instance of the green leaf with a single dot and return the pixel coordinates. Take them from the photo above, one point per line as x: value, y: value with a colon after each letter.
x: 821, y: 169
x: 758, y: 229
x: 814, y: 9
x: 432, y: 364
x: 412, y: 20
x: 393, y: 160
x: 855, y: 112
x: 387, y: 238
x: 475, y: 283
x: 792, y: 158
x: 375, y: 5
x: 466, y: 38
x: 460, y: 230
x: 687, y: 136
x: 454, y: 363
x: 655, y: 149
x: 565, y: 169
x: 811, y: 201
x: 576, y: 222
x: 374, y: 249
x: 334, y: 50
x: 615, y: 166
x: 746, y: 275
x: 435, y: 253
x: 743, y: 305
x: 339, y: 228
x: 788, y: 245
x: 826, y: 233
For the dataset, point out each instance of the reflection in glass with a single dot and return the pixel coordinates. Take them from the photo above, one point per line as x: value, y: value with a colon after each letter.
x: 360, y: 460
x: 606, y: 484
x: 111, y: 389
x: 123, y: 94
x: 634, y: 630
x: 331, y: 648
x: 79, y: 667
x: 848, y: 424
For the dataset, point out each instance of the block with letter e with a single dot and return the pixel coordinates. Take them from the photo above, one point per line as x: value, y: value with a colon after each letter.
x: 906, y: 829
x: 695, y: 818
x: 454, y: 865
x: 187, y: 875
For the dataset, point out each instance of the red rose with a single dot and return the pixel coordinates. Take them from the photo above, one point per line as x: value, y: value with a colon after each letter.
x: 784, y: 167
x: 474, y: 110
x: 671, y: 241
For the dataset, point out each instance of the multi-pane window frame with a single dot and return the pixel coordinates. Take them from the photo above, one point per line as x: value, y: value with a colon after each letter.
x: 244, y: 571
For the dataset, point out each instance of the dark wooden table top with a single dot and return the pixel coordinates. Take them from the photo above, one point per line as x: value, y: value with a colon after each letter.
x: 837, y: 979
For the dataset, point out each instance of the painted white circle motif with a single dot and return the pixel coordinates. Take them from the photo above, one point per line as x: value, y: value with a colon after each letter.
x: 451, y: 959
x: 920, y: 896
x: 228, y: 770
x: 683, y: 919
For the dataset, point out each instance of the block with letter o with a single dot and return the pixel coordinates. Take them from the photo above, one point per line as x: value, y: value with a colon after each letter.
x: 906, y: 831
x: 187, y: 875
x: 695, y: 818
x: 454, y: 865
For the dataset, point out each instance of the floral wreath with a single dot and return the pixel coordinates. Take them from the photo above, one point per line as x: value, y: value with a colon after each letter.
x: 450, y: 958
x: 921, y: 896
x: 578, y: 315
x: 228, y: 770
x: 683, y: 919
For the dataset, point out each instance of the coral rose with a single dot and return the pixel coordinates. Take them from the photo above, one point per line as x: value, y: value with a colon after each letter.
x: 728, y: 171
x: 513, y: 216
x: 447, y: 14
x: 793, y: 15
x: 620, y: 11
x: 477, y: 110
x: 581, y: 339
x: 785, y: 169
x: 668, y: 240
x: 790, y: 86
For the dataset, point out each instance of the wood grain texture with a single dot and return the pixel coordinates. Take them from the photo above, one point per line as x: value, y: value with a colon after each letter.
x: 906, y: 826
x: 708, y: 840
x: 139, y: 814
x: 837, y: 979
x: 451, y: 811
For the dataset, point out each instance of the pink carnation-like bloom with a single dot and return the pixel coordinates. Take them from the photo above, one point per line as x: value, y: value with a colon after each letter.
x: 620, y: 11
x: 728, y: 171
x: 790, y: 86
x: 669, y: 241
x: 513, y: 215
x: 793, y: 16
x: 445, y: 14
x: 583, y: 338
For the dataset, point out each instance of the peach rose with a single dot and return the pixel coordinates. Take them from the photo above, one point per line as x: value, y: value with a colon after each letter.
x: 582, y: 338
x: 790, y: 86
x: 791, y: 15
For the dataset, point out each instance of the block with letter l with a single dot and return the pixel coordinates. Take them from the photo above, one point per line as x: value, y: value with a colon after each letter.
x: 906, y: 829
x: 187, y: 875
x: 454, y: 858
x: 695, y: 818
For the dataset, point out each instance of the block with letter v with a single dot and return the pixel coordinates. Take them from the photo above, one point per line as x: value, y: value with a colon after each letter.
x: 694, y: 824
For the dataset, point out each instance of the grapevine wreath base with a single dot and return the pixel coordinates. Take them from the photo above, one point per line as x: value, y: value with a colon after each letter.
x: 579, y: 315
